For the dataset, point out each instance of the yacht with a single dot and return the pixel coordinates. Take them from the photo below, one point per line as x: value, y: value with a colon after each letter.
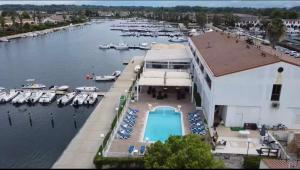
x: 87, y: 88
x: 91, y: 98
x: 178, y: 39
x: 122, y: 46
x: 111, y: 77
x: 47, y: 97
x: 79, y: 99
x: 65, y: 99
x: 60, y: 88
x: 22, y: 97
x: 116, y: 73
x: 104, y: 46
x: 2, y: 89
x: 35, y: 96
x: 8, y: 96
x: 32, y: 85
x: 144, y: 46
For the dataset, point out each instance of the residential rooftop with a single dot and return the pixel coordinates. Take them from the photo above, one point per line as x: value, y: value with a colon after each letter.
x: 225, y: 54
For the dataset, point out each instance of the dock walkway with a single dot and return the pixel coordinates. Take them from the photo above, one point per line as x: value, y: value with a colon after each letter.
x: 84, y: 146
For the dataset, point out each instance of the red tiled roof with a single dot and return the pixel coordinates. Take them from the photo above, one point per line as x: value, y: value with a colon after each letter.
x: 226, y: 55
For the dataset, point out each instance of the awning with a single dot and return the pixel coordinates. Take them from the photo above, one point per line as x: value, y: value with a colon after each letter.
x: 179, y: 82
x: 151, y: 81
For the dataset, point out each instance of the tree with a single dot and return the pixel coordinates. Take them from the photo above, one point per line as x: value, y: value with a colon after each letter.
x: 2, y: 23
x: 187, y: 152
x: 230, y: 19
x: 216, y: 20
x: 21, y: 21
x: 25, y: 15
x: 201, y: 19
x: 275, y: 31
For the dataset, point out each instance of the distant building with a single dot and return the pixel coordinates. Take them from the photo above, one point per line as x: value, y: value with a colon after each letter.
x: 245, y: 19
x: 292, y: 23
x: 56, y: 18
x: 239, y: 83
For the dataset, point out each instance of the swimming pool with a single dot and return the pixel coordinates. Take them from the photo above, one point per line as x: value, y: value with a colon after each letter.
x: 163, y: 122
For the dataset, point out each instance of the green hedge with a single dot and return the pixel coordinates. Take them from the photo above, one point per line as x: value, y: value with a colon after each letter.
x: 251, y: 162
x: 114, y: 162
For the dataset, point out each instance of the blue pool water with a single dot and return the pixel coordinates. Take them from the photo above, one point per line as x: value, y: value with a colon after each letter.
x: 162, y: 123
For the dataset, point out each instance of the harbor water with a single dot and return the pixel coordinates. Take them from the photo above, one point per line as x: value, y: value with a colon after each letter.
x: 35, y: 136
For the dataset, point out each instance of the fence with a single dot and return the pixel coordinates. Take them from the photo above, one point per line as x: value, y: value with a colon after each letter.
x: 282, y: 152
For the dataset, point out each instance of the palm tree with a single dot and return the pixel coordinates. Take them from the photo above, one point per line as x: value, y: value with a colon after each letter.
x: 275, y: 31
x: 201, y: 19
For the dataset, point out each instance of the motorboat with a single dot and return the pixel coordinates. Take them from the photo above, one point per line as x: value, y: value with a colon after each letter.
x: 104, y: 78
x: 91, y: 98
x: 2, y: 88
x: 137, y: 68
x: 8, y: 96
x: 79, y: 99
x: 3, y: 39
x: 32, y: 85
x: 116, y: 73
x: 122, y: 46
x: 104, y: 46
x: 35, y: 96
x: 178, y: 39
x: 47, y: 97
x: 144, y: 46
x: 87, y: 88
x: 60, y: 88
x: 65, y: 99
x: 22, y: 97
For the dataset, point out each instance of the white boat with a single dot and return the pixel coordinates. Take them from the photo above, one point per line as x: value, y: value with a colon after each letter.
x: 91, y: 98
x: 2, y: 94
x: 104, y: 46
x: 2, y: 88
x: 144, y: 46
x: 47, y: 97
x: 9, y: 96
x: 66, y: 98
x: 121, y: 46
x: 87, y: 88
x: 137, y: 68
x: 33, y: 85
x: 79, y: 99
x: 116, y: 73
x: 21, y: 98
x: 60, y: 88
x: 104, y: 78
x: 178, y: 39
x: 35, y: 96
x: 4, y: 39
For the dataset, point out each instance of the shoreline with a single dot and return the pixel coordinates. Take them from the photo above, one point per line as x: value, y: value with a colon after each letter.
x: 41, y: 32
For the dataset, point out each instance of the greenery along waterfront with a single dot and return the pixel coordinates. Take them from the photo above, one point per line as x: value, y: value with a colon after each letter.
x: 16, y: 19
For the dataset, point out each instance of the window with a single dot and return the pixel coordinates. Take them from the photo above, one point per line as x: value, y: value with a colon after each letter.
x: 208, y: 81
x: 201, y: 67
x: 276, y: 92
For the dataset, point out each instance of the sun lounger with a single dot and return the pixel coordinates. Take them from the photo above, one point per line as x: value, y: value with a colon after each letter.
x: 143, y: 150
x: 123, y: 135
x: 134, y: 110
x: 132, y: 113
x: 131, y: 149
x: 125, y: 125
x: 127, y: 130
x: 129, y: 122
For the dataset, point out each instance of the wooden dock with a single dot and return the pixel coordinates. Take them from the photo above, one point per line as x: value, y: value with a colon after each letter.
x: 84, y: 146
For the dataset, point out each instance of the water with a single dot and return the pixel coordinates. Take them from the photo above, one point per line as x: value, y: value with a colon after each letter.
x: 162, y: 123
x: 168, y: 3
x: 59, y: 58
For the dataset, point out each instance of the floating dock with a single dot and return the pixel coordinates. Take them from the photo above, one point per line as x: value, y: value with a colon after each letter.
x: 82, y: 149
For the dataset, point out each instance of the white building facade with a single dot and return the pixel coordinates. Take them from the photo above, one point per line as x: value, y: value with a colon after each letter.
x: 267, y: 94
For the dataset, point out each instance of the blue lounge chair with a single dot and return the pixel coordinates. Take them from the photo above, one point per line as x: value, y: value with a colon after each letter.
x: 129, y: 122
x: 143, y: 150
x: 132, y: 113
x: 123, y: 135
x: 126, y: 126
x: 131, y: 117
x: 134, y: 110
x: 131, y: 149
x: 127, y: 130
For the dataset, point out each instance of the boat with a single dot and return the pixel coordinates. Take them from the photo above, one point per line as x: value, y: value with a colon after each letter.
x: 116, y: 73
x: 144, y: 46
x: 2, y: 94
x: 47, y: 97
x: 3, y: 39
x: 121, y: 46
x: 7, y: 97
x: 91, y: 98
x: 137, y: 68
x: 178, y: 39
x: 35, y: 96
x: 65, y: 99
x: 79, y: 99
x: 32, y: 85
x: 60, y: 88
x: 2, y: 88
x: 104, y: 78
x: 104, y: 46
x: 87, y: 88
x: 22, y: 97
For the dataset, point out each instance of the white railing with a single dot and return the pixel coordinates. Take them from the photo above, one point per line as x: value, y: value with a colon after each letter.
x: 282, y: 153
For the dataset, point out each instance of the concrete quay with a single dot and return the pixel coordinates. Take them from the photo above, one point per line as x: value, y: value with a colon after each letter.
x: 82, y: 149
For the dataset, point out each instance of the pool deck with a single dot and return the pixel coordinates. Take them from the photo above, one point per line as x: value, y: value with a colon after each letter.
x: 119, y: 147
x: 82, y: 149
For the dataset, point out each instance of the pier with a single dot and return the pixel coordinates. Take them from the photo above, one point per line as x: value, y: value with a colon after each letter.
x: 82, y: 149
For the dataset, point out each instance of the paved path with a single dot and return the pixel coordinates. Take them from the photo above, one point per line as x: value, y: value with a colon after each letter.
x: 84, y: 146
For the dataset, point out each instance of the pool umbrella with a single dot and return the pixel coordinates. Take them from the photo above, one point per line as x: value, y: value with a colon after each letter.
x: 263, y: 130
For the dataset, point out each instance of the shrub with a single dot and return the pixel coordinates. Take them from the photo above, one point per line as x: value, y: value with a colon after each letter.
x: 114, y: 162
x: 251, y: 162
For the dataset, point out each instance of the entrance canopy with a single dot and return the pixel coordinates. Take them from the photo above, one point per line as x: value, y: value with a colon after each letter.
x: 165, y: 78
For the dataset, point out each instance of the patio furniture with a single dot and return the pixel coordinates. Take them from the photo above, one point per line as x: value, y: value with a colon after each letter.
x: 131, y: 149
x: 134, y: 110
x: 142, y: 150
x: 244, y: 133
